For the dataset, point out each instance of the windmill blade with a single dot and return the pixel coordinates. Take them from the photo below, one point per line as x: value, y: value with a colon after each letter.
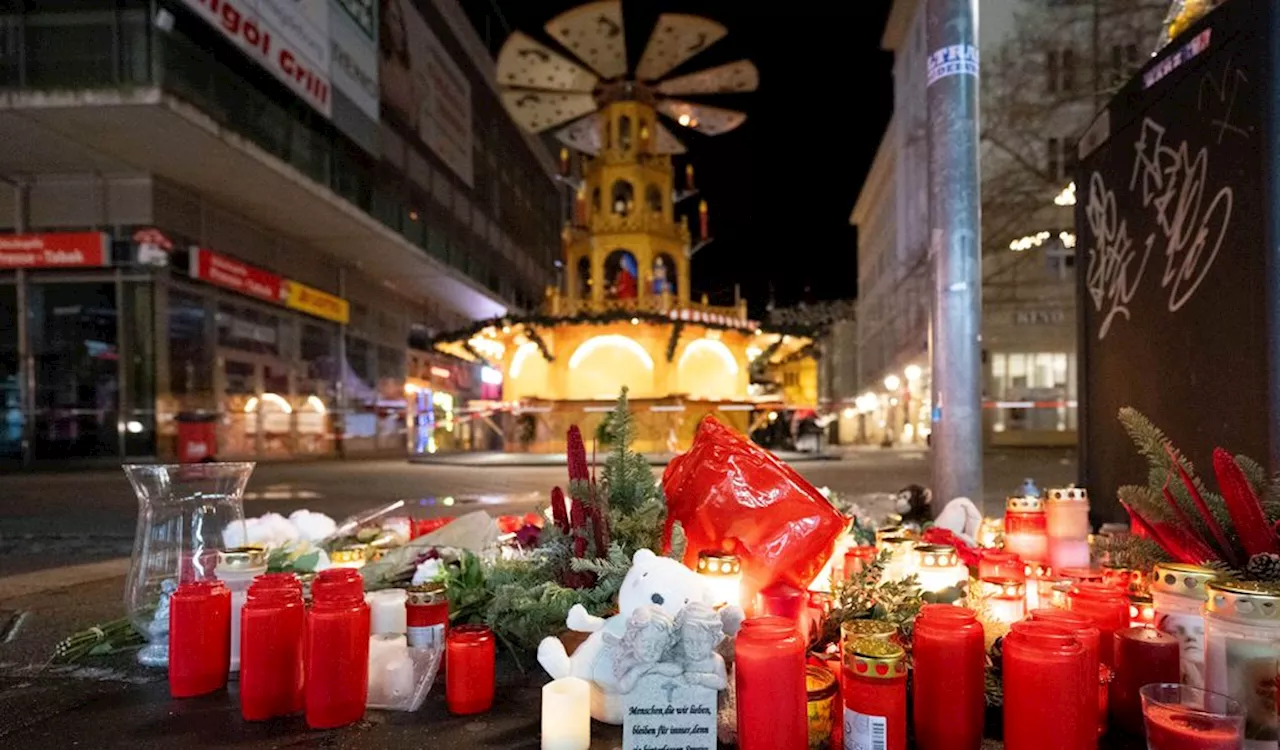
x: 703, y: 118
x: 666, y: 143
x: 538, y: 110
x: 676, y: 37
x: 583, y: 135
x: 527, y: 63
x: 594, y: 33
x: 734, y: 77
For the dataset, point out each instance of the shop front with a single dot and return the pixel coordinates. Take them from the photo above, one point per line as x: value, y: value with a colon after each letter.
x: 437, y: 389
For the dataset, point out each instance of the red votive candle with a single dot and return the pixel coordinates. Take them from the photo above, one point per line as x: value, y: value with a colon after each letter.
x: 1049, y: 693
x: 272, y: 627
x: 784, y: 600
x: 1106, y: 606
x: 858, y: 558
x: 427, y: 615
x: 470, y: 669
x: 199, y: 638
x: 337, y: 650
x: 997, y: 563
x: 1085, y: 632
x: 875, y: 695
x: 950, y: 673
x: 1142, y: 656
x: 771, y: 691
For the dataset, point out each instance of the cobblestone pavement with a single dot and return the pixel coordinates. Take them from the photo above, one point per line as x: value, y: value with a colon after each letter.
x: 51, y: 519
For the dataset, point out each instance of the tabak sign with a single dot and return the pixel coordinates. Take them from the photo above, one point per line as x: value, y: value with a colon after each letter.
x: 55, y: 250
x: 251, y: 281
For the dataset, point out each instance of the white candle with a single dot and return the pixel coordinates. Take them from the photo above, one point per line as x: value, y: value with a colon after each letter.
x: 566, y: 714
x: 387, y: 613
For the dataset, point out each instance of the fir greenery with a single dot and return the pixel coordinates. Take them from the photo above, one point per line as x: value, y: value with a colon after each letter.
x: 863, y: 596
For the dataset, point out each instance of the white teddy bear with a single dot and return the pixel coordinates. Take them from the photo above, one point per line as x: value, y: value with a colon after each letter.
x: 652, y: 580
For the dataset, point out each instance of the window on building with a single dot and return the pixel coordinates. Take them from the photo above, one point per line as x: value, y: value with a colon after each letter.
x: 1068, y: 64
x: 653, y: 199
x: 1060, y: 71
x: 624, y: 133
x: 622, y: 198
x: 1051, y: 71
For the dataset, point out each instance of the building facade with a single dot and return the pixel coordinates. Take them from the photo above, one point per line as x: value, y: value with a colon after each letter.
x: 1046, y: 67
x: 246, y: 218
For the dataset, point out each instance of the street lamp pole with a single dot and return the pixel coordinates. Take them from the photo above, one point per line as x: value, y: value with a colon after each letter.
x: 955, y: 248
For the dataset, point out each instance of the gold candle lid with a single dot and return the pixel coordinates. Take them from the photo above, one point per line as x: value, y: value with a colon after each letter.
x: 716, y: 564
x: 243, y: 558
x: 1244, y: 600
x: 1069, y: 495
x: 875, y: 658
x: 347, y: 555
x: 891, y: 534
x: 936, y: 556
x: 427, y: 593
x: 1181, y: 579
x: 1024, y: 504
x: 852, y: 630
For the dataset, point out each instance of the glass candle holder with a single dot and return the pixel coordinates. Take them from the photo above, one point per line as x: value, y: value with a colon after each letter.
x: 1025, y: 529
x: 823, y: 712
x: 856, y: 559
x: 1142, y: 611
x: 1003, y: 564
x: 784, y: 600
x: 938, y: 568
x: 769, y: 681
x: 1242, y: 651
x: 723, y: 576
x: 949, y: 653
x: 1126, y: 579
x: 186, y: 514
x: 1050, y: 699
x: 470, y: 669
x: 1178, y: 594
x: 237, y: 568
x: 852, y: 630
x: 1067, y: 513
x: 899, y: 545
x: 426, y: 615
x: 1106, y: 608
x: 991, y: 532
x: 1004, y: 601
x: 875, y: 695
x: 1180, y: 717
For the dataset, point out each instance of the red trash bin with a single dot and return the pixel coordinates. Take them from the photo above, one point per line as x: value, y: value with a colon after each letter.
x: 197, y: 437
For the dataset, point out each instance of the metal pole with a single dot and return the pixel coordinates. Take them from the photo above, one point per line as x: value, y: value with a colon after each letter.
x: 955, y: 224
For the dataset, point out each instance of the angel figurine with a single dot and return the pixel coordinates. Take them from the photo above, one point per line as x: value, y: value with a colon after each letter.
x: 701, y: 630
x: 644, y: 647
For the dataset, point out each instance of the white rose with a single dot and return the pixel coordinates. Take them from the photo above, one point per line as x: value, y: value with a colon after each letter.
x: 312, y: 526
x: 427, y: 571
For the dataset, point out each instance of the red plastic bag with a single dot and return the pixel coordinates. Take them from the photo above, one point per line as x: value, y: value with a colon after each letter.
x: 731, y: 495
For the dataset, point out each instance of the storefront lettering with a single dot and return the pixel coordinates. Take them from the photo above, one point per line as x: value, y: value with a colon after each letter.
x: 1038, y: 317
x: 54, y: 250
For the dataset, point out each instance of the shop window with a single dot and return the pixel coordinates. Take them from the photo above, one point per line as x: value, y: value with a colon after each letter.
x: 623, y: 198
x: 624, y: 133
x: 190, y: 358
x: 11, y: 415
x: 140, y: 420
x: 653, y: 199
x: 621, y: 275
x: 248, y: 329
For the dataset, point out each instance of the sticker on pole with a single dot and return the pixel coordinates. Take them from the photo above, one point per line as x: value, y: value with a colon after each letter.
x: 954, y: 60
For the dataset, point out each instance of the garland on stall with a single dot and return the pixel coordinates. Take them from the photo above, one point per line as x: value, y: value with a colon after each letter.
x: 674, y: 340
x: 536, y: 338
x: 1175, y: 517
x: 472, y: 351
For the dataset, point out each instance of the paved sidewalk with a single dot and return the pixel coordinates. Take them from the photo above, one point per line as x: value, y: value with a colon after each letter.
x: 501, y: 459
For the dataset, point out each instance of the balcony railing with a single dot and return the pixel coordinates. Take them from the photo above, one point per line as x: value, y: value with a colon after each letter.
x: 661, y: 304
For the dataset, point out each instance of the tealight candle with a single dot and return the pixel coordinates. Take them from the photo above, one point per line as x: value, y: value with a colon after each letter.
x: 723, y: 576
x: 1005, y: 601
x: 566, y: 714
x: 938, y: 568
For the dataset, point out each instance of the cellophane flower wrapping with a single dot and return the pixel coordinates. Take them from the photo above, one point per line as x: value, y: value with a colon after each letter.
x: 731, y: 495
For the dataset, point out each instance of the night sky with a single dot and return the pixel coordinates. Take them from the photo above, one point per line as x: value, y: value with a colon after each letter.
x: 782, y: 186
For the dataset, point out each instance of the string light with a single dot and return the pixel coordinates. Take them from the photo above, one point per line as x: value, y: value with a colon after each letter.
x: 1030, y: 241
x: 1067, y: 197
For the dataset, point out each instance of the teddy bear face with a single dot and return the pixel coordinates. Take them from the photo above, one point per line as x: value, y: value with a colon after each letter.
x: 659, y: 581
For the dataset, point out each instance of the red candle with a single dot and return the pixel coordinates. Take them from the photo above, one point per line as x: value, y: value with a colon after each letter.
x: 1178, y: 728
x: 702, y: 219
x: 427, y: 615
x: 337, y: 683
x: 1089, y: 637
x: 1048, y: 695
x: 1106, y: 606
x: 771, y: 691
x: 272, y: 623
x: 470, y: 669
x: 950, y: 675
x: 784, y: 600
x: 1142, y: 656
x: 858, y: 558
x: 199, y: 638
x: 688, y: 177
x: 996, y: 563
x: 875, y: 695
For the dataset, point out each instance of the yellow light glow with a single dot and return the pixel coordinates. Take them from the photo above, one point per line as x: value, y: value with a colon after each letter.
x: 316, y: 404
x: 517, y: 359
x: 610, y: 340
x: 711, y: 346
x: 275, y: 399
x: 488, y: 348
x: 913, y: 373
x: 685, y: 119
x: 251, y: 405
x: 848, y: 413
x: 892, y: 382
x: 1067, y: 197
x: 635, y: 321
x: 753, y: 353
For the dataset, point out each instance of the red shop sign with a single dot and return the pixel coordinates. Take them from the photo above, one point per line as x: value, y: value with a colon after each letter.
x: 55, y: 250
x: 209, y: 266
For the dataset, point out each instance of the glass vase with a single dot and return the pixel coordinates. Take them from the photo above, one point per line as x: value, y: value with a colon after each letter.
x: 183, y: 513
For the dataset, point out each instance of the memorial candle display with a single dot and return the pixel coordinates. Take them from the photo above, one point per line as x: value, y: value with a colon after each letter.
x: 426, y: 615
x: 1067, y: 525
x: 1142, y: 656
x: 237, y: 568
x: 199, y: 638
x: 769, y: 679
x: 1049, y: 698
x: 1025, y: 530
x: 723, y: 576
x: 469, y: 669
x: 1178, y: 593
x: 875, y: 695
x: 337, y: 685
x: 566, y: 714
x: 1242, y: 653
x: 949, y: 684
x: 272, y: 627
x: 1106, y: 607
